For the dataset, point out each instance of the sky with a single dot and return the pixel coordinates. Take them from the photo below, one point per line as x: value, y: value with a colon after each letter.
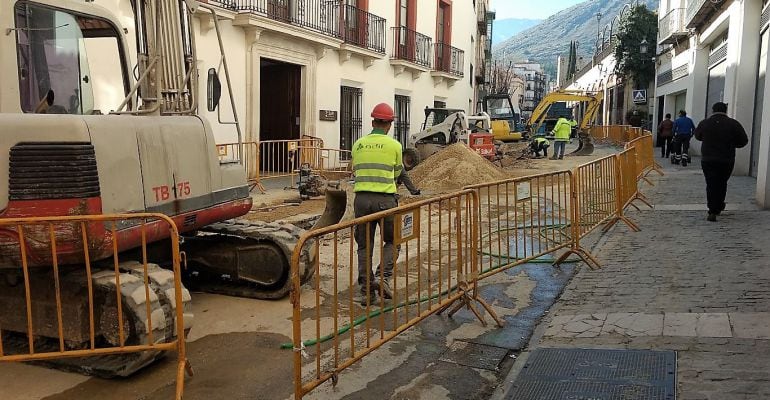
x: 530, y: 9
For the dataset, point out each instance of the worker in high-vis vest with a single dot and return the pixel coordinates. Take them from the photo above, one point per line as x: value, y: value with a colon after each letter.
x: 376, y: 167
x: 561, y: 133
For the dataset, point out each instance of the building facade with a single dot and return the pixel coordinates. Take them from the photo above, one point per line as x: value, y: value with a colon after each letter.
x: 317, y: 67
x: 712, y: 51
x: 534, y: 85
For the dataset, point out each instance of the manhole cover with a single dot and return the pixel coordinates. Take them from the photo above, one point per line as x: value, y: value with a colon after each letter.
x: 560, y: 374
x: 474, y: 355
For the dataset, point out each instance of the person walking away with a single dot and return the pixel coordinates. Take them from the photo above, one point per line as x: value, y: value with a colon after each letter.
x: 561, y: 133
x: 665, y: 133
x: 377, y: 166
x: 720, y: 135
x: 538, y: 144
x: 683, y: 130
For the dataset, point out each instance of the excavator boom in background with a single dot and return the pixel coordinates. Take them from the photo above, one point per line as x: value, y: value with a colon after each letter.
x: 593, y: 102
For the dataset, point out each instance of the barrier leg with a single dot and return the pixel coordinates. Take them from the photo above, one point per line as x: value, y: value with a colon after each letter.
x: 584, y: 255
x: 467, y: 299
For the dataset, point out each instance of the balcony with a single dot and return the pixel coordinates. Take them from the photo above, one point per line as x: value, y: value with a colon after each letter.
x: 481, y: 17
x: 411, y: 51
x: 671, y: 27
x: 699, y: 11
x: 327, y: 23
x: 320, y: 16
x: 363, y: 29
x: 449, y: 63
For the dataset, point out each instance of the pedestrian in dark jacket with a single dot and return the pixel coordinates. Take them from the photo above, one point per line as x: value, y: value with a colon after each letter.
x: 720, y: 135
x: 665, y: 133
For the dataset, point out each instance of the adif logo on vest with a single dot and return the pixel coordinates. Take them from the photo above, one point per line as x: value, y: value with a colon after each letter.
x: 376, y: 146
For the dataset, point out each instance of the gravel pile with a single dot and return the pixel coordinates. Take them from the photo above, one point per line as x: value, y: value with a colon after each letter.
x: 453, y: 168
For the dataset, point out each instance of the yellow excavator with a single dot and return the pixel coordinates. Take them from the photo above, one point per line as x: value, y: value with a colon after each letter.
x: 592, y: 102
x: 504, y: 116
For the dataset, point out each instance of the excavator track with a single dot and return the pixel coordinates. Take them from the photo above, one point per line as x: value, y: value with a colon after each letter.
x: 246, y: 259
x: 163, y: 318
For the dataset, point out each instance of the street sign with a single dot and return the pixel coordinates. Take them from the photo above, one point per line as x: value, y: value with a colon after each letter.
x: 640, y: 96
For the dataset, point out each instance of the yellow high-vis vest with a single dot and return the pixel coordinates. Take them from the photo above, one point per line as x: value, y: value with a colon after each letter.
x: 376, y: 163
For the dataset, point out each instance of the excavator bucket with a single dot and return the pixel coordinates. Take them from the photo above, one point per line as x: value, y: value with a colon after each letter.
x: 339, y: 204
x: 585, y: 145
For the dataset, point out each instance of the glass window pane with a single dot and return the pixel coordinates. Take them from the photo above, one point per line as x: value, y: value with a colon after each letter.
x: 54, y: 68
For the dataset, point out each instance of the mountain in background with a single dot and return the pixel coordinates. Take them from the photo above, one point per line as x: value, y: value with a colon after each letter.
x: 545, y: 41
x: 504, y: 28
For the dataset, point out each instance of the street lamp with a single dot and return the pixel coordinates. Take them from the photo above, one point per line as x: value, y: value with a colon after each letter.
x: 643, y: 47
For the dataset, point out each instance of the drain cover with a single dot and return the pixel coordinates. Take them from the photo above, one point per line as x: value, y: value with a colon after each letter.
x: 474, y: 355
x: 557, y: 374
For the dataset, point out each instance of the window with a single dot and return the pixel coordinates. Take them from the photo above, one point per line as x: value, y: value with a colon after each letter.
x: 471, y: 76
x: 439, y: 104
x: 350, y: 116
x: 55, y: 73
x: 401, y: 132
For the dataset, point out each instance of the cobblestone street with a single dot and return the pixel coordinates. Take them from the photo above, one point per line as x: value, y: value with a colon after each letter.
x: 684, y: 284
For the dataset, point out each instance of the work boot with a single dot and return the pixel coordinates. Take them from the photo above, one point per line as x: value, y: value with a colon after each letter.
x: 382, y: 287
x: 362, y: 298
x: 712, y: 217
x: 561, y: 157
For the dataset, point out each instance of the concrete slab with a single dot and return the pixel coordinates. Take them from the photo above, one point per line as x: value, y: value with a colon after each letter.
x: 750, y: 325
x: 713, y: 325
x: 679, y: 324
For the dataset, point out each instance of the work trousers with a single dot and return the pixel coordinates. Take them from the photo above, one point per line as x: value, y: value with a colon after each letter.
x: 681, y: 144
x: 717, y: 173
x: 369, y: 203
x: 665, y: 146
x: 537, y: 147
x: 558, y: 148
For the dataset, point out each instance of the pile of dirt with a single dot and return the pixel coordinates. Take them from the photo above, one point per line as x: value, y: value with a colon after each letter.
x: 453, y: 168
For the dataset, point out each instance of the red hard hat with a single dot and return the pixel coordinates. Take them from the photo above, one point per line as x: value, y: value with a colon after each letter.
x: 383, y: 112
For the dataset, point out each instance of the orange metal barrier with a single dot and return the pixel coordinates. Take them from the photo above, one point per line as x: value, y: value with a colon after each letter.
x: 522, y: 219
x: 614, y: 134
x: 645, y: 156
x: 437, y: 269
x: 326, y: 160
x: 455, y: 240
x: 280, y: 158
x: 67, y: 269
x: 596, y: 185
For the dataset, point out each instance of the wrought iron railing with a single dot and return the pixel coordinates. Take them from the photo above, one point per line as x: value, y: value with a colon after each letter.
x: 671, y: 24
x: 363, y: 29
x: 412, y: 46
x: 449, y: 59
x: 318, y: 15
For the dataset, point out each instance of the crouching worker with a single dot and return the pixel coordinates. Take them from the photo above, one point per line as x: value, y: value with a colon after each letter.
x: 538, y: 144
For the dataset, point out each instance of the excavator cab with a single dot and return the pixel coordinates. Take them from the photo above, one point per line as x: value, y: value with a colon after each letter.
x: 505, y: 117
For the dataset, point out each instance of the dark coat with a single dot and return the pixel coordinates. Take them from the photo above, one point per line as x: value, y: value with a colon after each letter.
x: 720, y: 135
x: 666, y: 128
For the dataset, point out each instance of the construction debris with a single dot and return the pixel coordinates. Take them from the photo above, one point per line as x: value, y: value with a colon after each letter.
x: 453, y: 168
x: 516, y: 156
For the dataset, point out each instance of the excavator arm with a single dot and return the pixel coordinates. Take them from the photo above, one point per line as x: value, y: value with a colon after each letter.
x: 541, y: 111
x: 593, y: 102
